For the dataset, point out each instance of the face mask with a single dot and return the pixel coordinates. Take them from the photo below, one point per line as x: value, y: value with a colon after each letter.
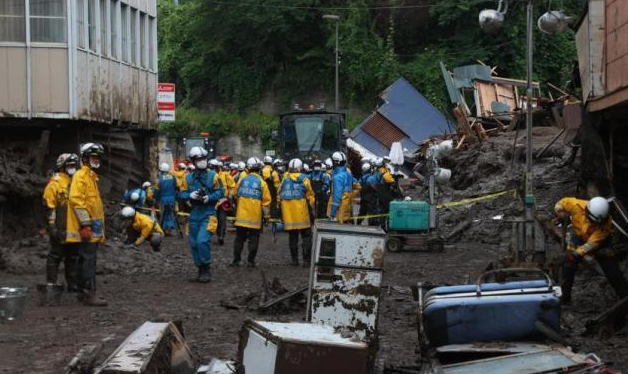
x: 202, y: 164
x: 316, y: 168
x: 94, y: 165
x: 70, y: 171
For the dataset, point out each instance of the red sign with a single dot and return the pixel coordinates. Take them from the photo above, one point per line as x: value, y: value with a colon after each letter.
x: 166, y: 102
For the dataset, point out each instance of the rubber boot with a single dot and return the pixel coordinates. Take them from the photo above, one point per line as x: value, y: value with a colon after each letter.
x: 197, y: 278
x: 91, y: 299
x: 205, y: 275
x: 52, y: 269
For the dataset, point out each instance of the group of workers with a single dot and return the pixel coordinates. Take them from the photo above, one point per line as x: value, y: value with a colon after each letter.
x: 260, y: 191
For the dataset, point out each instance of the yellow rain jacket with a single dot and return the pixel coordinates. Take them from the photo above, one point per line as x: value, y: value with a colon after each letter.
x: 85, y: 207
x: 592, y: 235
x: 146, y: 226
x: 253, y: 195
x: 269, y: 172
x: 180, y: 175
x: 297, y: 198
x: 228, y: 183
x: 386, y: 176
x: 56, y: 200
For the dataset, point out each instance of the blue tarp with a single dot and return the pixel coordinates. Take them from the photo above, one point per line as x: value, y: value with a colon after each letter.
x: 411, y: 112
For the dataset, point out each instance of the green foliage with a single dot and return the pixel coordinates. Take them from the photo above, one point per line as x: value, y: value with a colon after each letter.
x: 231, y: 53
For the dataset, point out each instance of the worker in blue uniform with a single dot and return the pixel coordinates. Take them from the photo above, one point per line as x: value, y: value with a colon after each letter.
x: 165, y: 191
x: 202, y: 189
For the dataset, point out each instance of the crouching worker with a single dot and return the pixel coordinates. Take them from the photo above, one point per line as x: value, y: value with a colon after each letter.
x: 142, y: 228
x: 589, y: 238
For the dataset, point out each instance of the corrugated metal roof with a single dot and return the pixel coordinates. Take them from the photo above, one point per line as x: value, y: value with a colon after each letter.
x: 381, y: 129
x: 412, y: 113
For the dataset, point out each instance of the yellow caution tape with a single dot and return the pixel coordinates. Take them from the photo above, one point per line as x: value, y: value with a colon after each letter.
x: 512, y: 192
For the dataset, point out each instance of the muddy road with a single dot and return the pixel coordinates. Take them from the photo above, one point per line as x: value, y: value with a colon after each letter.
x: 46, y: 338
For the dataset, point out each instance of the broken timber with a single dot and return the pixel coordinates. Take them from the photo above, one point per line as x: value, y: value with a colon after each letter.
x: 606, y: 322
x: 288, y: 295
x: 152, y: 348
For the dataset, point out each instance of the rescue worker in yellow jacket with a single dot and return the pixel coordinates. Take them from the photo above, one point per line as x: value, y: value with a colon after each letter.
x: 86, y: 221
x: 252, y: 207
x: 296, y: 199
x: 589, y: 238
x: 142, y: 228
x: 224, y: 204
x: 271, y: 177
x: 55, y: 197
x: 385, y: 186
x: 180, y: 173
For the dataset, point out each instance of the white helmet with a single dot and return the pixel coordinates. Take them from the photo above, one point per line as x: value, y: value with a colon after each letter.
x: 328, y: 163
x: 268, y: 160
x: 134, y: 196
x: 277, y: 162
x: 67, y: 159
x: 197, y: 152
x: 597, y: 209
x: 233, y: 166
x: 164, y: 167
x: 306, y: 168
x: 366, y: 167
x: 253, y: 163
x: 295, y: 165
x: 191, y: 167
x: 219, y: 164
x: 378, y: 162
x: 323, y: 167
x: 182, y: 166
x: 128, y: 212
x: 145, y: 185
x: 339, y: 158
x: 213, y: 163
x: 241, y: 165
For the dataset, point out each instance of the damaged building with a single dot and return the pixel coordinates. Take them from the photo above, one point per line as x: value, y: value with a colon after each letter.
x: 74, y: 72
x: 602, y: 45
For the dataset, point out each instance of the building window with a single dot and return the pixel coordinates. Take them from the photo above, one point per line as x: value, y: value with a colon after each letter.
x: 113, y: 15
x: 12, y: 21
x: 80, y: 23
x: 91, y: 24
x: 151, y: 43
x: 133, y: 36
x: 143, y: 40
x: 124, y: 23
x: 48, y: 22
x: 104, y: 46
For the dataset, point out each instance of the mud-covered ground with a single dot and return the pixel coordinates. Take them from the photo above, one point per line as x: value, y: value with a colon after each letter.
x: 142, y: 285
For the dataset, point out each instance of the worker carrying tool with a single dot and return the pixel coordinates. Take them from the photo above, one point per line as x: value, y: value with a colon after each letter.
x: 588, y: 239
x: 165, y: 194
x: 252, y: 207
x: 320, y: 185
x: 271, y: 177
x: 86, y: 221
x: 342, y: 190
x: 296, y: 200
x: 56, y: 201
x: 142, y: 228
x: 368, y: 195
x: 202, y: 189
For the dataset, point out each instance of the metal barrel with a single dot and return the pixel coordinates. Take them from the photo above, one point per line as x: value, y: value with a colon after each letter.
x: 12, y: 300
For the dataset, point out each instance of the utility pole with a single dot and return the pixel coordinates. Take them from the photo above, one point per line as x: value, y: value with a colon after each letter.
x: 336, y: 18
x: 529, y: 191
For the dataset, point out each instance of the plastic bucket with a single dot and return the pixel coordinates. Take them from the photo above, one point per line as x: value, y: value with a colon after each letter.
x: 12, y: 300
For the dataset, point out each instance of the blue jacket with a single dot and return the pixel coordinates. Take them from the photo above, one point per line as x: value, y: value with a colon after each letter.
x: 320, y: 175
x: 140, y: 202
x: 209, y: 181
x: 166, y: 189
x: 342, y: 183
x: 368, y: 183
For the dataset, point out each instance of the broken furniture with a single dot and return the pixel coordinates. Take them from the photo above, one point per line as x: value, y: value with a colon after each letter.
x: 346, y: 277
x: 154, y: 347
x: 290, y: 348
x: 496, y: 328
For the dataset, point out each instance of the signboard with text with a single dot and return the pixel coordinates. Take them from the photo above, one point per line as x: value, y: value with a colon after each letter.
x: 165, y: 102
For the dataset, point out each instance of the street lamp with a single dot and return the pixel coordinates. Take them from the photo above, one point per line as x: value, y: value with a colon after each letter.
x: 552, y: 22
x: 335, y: 18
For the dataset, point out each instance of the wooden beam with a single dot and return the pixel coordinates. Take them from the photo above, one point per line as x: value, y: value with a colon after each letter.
x: 609, y: 100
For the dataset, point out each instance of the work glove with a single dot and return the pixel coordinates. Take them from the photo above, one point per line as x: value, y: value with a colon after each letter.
x: 205, y: 199
x: 86, y: 233
x: 194, y: 195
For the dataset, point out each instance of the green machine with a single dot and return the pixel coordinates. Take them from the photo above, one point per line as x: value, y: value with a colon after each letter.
x: 415, y: 222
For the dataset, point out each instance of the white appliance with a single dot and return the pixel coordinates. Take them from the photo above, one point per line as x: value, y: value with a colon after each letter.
x: 346, y: 277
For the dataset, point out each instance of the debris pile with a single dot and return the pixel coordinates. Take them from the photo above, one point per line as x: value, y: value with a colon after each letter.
x: 274, y: 298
